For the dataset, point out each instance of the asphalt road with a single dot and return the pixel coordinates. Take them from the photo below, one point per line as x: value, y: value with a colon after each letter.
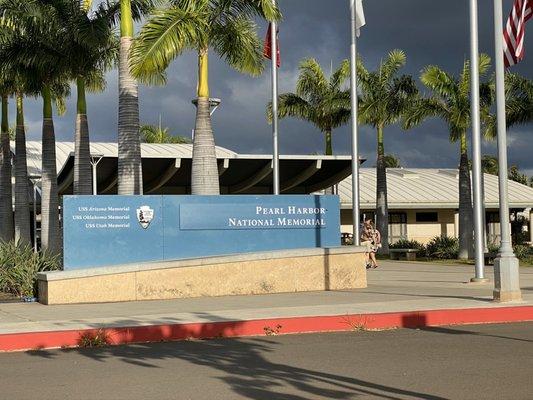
x: 475, y: 362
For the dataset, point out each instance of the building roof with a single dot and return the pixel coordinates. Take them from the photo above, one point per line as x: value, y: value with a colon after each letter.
x: 65, y: 150
x: 167, y: 169
x: 414, y: 188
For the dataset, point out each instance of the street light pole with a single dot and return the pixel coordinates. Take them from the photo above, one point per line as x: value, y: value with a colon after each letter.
x: 355, y: 149
x: 479, y: 235
x: 506, y: 266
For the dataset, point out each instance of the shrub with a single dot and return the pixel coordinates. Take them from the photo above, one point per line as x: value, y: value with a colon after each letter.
x: 523, y: 252
x: 493, y: 248
x: 443, y: 247
x: 409, y: 244
x: 19, y: 266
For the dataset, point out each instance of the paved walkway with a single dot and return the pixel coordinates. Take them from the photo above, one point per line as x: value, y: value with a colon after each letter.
x: 488, y: 362
x: 394, y: 287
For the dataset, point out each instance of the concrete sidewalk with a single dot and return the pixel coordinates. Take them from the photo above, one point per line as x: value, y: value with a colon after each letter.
x: 396, y: 287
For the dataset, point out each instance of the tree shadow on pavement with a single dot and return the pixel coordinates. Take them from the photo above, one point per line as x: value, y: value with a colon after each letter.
x: 418, y: 320
x: 243, y: 366
x: 461, y: 331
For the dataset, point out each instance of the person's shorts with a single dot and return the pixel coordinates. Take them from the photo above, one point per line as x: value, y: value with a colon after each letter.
x: 368, y: 245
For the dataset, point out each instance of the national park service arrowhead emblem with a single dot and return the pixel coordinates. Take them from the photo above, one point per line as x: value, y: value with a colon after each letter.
x: 145, y: 215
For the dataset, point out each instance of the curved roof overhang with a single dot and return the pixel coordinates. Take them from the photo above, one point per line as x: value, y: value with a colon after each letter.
x: 167, y: 169
x: 238, y: 174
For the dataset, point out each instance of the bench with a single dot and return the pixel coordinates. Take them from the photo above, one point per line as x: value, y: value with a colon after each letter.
x: 407, y: 254
x: 490, y: 257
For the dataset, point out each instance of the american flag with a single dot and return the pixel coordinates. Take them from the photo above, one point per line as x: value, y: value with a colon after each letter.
x: 515, y: 31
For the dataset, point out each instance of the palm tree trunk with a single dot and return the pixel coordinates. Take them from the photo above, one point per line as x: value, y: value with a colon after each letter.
x: 50, y: 238
x: 466, y: 216
x: 129, y: 139
x: 204, y: 176
x: 382, y: 209
x: 6, y: 190
x: 329, y: 144
x: 328, y: 152
x: 22, y: 205
x: 82, y: 157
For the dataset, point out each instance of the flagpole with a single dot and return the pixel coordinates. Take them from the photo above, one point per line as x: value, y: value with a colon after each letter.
x: 355, y: 149
x: 479, y: 235
x: 506, y: 267
x: 275, y: 139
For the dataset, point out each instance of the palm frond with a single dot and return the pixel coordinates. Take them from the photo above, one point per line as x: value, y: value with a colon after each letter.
x: 237, y: 42
x: 312, y: 82
x: 395, y: 61
x: 164, y: 37
x: 439, y: 81
x: 291, y: 105
x: 484, y: 64
x: 422, y: 109
x: 95, y: 81
x: 339, y: 77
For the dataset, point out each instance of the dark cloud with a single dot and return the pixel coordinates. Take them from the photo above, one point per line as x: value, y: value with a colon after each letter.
x: 431, y: 32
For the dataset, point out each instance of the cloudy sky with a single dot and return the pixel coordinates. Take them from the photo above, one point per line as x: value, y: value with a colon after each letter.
x: 430, y: 32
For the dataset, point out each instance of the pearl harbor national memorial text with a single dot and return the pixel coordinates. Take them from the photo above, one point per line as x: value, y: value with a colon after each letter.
x: 117, y: 230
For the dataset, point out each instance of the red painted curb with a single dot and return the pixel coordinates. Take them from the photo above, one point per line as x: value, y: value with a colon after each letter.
x: 228, y: 329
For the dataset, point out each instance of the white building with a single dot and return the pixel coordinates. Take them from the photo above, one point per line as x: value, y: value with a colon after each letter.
x: 423, y: 203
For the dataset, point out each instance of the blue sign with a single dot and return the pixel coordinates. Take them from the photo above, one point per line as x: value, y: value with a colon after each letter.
x: 113, y: 230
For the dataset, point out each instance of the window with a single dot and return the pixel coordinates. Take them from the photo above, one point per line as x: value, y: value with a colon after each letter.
x: 397, y: 226
x: 397, y: 218
x: 427, y: 217
x: 493, y: 227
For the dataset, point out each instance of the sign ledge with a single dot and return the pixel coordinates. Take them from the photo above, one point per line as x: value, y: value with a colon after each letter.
x: 193, y: 262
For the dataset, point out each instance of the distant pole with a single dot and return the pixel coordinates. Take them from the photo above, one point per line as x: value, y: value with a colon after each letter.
x: 95, y: 160
x: 95, y: 182
x: 275, y: 138
x: 479, y: 235
x: 355, y: 149
x: 506, y: 267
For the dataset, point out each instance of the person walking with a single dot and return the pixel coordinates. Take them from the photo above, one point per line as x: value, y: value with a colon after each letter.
x: 371, y: 238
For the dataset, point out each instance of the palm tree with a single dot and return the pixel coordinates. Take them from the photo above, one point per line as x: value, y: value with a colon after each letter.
x: 225, y: 26
x: 450, y: 101
x: 157, y: 134
x: 517, y: 176
x: 129, y: 141
x: 22, y: 77
x: 90, y: 57
x: 489, y: 164
x: 22, y: 206
x: 320, y: 100
x: 518, y: 103
x: 391, y: 161
x: 6, y: 190
x: 36, y: 39
x: 384, y: 99
x: 519, y: 100
x: 23, y: 83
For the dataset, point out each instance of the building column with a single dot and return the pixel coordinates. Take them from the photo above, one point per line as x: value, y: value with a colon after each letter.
x: 531, y: 227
